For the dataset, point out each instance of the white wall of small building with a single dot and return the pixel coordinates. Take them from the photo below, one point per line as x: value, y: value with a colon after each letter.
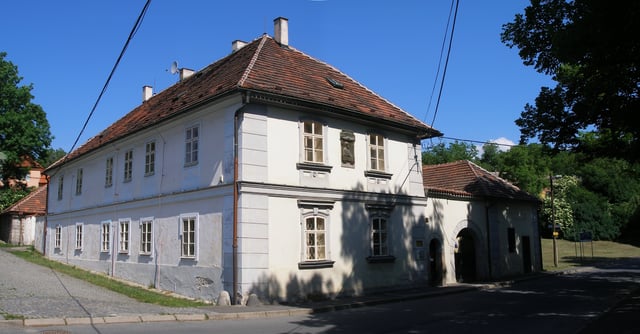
x: 447, y: 217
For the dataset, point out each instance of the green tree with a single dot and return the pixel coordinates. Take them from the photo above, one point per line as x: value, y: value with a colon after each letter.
x: 51, y: 156
x: 439, y: 153
x: 590, y: 48
x: 490, y: 158
x: 526, y: 166
x: 24, y: 129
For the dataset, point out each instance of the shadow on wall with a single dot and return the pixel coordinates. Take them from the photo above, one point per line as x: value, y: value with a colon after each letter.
x: 400, y: 258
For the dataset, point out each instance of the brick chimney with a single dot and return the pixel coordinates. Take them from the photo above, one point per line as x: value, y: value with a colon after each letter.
x: 147, y: 93
x: 281, y: 30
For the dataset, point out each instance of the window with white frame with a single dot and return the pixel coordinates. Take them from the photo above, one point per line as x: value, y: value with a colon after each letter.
x: 105, y: 236
x: 57, y: 237
x: 376, y: 152
x: 128, y: 165
x: 79, y: 235
x: 380, y: 224
x: 315, y: 238
x: 379, y: 240
x: 150, y: 158
x: 79, y: 181
x: 108, y: 172
x: 192, y: 135
x: 188, y: 236
x: 314, y: 225
x: 123, y: 240
x: 60, y: 186
x: 146, y: 236
x: 313, y: 141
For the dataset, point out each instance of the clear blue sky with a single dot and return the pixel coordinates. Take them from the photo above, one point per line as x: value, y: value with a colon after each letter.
x: 66, y: 49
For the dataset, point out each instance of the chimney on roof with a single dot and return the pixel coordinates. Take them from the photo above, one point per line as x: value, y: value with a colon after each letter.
x: 237, y: 45
x: 147, y: 93
x: 185, y: 73
x: 281, y: 30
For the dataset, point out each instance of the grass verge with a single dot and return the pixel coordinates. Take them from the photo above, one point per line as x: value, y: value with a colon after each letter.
x: 138, y: 293
x: 576, y: 254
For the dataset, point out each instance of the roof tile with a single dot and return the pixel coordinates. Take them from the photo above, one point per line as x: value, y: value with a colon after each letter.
x: 266, y: 67
x: 466, y: 179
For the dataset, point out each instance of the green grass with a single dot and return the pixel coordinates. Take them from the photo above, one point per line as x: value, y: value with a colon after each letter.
x: 572, y: 254
x: 138, y: 293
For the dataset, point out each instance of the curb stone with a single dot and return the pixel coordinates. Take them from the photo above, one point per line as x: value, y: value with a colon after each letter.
x: 249, y: 314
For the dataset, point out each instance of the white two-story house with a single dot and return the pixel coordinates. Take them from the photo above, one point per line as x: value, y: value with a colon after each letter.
x: 266, y: 172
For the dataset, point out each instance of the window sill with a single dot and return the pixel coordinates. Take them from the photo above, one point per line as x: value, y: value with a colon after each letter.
x: 377, y: 174
x: 381, y: 259
x: 314, y: 167
x: 316, y: 264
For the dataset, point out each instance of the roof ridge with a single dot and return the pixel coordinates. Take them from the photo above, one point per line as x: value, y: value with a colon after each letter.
x: 247, y: 70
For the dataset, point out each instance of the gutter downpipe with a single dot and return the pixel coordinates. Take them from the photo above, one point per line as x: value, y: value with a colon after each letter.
x: 486, y: 214
x: 46, y: 218
x: 236, y: 122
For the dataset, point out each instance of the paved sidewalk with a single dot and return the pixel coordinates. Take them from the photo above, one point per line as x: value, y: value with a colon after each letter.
x: 47, y: 298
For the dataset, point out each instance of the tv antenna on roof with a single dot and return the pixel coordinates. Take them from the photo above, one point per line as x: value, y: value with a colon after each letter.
x: 174, y: 67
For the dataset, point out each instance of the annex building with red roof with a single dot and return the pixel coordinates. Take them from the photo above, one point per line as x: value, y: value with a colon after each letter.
x: 480, y: 226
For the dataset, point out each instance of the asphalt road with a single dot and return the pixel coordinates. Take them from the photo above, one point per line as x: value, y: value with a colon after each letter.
x: 589, y: 300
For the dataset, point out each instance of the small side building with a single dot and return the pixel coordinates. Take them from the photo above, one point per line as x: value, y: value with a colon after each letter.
x: 480, y: 227
x: 23, y: 222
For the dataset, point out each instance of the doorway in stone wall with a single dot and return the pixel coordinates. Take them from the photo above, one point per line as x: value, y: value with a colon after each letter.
x: 465, y: 257
x: 435, y: 263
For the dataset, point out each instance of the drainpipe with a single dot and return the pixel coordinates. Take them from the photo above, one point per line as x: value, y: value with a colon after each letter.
x: 46, y: 218
x: 236, y: 123
x: 486, y: 213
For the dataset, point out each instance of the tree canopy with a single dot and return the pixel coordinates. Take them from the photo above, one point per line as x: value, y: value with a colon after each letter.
x: 591, y: 48
x: 24, y: 128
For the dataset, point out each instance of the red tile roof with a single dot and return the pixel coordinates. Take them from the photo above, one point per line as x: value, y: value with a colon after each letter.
x: 466, y: 179
x: 267, y: 72
x: 35, y: 203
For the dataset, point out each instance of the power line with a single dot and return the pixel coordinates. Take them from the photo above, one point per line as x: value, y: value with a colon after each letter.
x: 446, y: 63
x: 134, y: 30
x: 435, y: 80
x: 478, y: 141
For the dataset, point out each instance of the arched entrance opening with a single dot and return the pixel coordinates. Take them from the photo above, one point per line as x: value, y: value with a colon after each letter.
x: 465, y: 256
x: 435, y: 263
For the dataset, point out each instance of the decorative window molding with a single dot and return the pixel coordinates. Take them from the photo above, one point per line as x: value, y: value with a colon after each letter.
x: 105, y: 236
x: 189, y: 236
x: 377, y: 174
x: 191, y: 145
x: 314, y: 167
x: 150, y: 158
x: 146, y: 236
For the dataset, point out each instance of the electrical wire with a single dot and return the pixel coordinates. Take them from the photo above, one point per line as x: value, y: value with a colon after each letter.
x: 133, y: 32
x: 446, y: 63
x: 435, y: 80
